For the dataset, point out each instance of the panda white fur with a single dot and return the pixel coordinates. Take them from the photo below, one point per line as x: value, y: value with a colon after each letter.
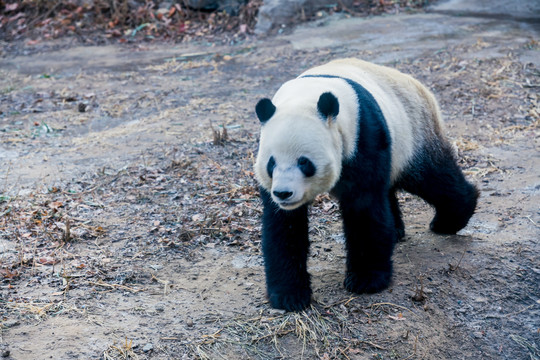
x: 361, y: 132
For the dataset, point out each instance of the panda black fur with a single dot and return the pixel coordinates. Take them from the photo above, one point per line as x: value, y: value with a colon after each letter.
x: 361, y: 132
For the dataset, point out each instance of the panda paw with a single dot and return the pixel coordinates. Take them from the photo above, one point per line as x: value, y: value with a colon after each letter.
x: 439, y: 226
x: 369, y: 282
x: 294, y: 301
x: 400, y: 234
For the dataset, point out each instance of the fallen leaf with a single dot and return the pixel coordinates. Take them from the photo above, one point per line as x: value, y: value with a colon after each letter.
x: 8, y: 274
x: 197, y: 217
x: 47, y: 261
x: 56, y: 204
x: 12, y: 7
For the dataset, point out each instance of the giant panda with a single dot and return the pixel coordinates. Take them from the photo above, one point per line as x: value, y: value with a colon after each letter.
x: 361, y: 132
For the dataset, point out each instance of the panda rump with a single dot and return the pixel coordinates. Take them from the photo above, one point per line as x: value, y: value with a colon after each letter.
x: 364, y: 131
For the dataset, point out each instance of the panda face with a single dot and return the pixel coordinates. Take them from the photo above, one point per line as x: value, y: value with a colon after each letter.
x: 305, y: 135
x: 304, y: 164
x: 290, y: 182
x: 297, y: 160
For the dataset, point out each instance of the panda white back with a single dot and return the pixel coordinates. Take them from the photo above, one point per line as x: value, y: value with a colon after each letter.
x: 387, y: 86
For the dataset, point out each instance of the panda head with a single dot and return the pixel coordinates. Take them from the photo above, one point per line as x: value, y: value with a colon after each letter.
x: 300, y: 149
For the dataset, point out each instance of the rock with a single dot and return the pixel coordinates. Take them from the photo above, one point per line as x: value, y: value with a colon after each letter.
x: 10, y: 323
x: 478, y: 334
x: 160, y: 307
x: 275, y: 13
x: 148, y: 347
x: 517, y: 10
x: 202, y: 4
x: 229, y: 6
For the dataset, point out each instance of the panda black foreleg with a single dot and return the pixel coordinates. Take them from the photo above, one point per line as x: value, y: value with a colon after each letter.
x: 285, y: 246
x: 370, y: 236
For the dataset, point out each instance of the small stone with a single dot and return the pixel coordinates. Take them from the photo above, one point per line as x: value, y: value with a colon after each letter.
x: 148, y: 347
x: 276, y: 312
x: 159, y: 307
x: 189, y: 323
x: 10, y: 323
x: 5, y: 353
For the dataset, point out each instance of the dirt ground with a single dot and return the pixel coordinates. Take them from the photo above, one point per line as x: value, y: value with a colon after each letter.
x: 129, y: 218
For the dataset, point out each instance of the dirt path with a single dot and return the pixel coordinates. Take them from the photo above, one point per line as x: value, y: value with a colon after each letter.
x: 128, y: 231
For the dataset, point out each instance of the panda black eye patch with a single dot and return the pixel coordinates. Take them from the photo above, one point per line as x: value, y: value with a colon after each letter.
x: 270, y: 166
x: 306, y: 166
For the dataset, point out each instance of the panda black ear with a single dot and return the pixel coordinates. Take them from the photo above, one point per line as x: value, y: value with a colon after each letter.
x: 328, y: 105
x: 265, y: 109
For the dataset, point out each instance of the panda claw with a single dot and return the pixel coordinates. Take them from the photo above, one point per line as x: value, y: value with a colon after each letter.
x: 370, y: 282
x: 297, y: 301
x: 400, y: 235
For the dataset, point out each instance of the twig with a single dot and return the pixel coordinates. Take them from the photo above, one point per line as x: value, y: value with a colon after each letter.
x: 224, y: 193
x: 343, y: 353
x: 531, y: 220
x: 164, y: 282
x: 45, y: 16
x: 372, y: 344
x: 454, y: 268
x: 419, y: 294
x: 115, y: 286
x: 67, y: 233
x: 344, y: 302
x: 278, y: 333
x: 520, y: 311
x: 391, y: 304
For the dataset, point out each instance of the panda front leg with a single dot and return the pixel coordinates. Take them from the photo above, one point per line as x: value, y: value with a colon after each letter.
x: 370, y: 236
x: 285, y: 246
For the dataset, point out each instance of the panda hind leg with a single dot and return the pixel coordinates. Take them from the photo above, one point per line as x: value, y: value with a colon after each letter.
x: 438, y: 180
x: 396, y: 212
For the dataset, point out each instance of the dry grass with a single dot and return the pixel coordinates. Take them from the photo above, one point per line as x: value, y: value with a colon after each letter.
x: 122, y: 351
x: 323, y: 332
x: 532, y: 350
x: 40, y: 311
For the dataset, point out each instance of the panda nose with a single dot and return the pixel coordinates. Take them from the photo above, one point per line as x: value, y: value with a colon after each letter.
x: 282, y: 195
